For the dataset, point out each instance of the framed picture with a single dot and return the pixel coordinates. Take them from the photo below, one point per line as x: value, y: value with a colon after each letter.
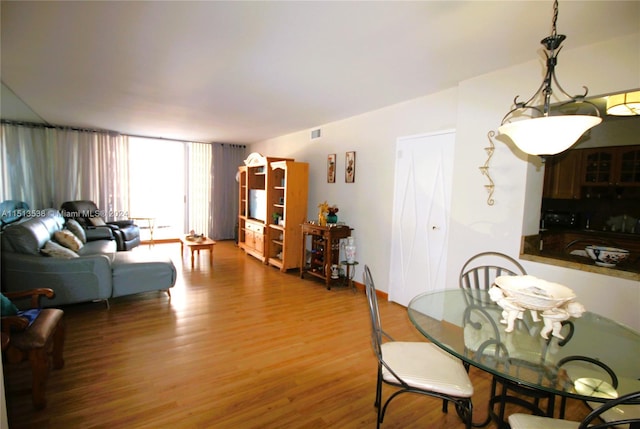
x: 331, y: 168
x: 350, y: 167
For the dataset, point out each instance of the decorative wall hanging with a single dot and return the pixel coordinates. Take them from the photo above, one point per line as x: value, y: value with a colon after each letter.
x: 485, y: 168
x: 350, y: 167
x: 331, y: 168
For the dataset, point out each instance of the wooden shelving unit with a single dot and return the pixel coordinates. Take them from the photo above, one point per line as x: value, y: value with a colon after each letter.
x: 284, y: 183
x: 288, y: 198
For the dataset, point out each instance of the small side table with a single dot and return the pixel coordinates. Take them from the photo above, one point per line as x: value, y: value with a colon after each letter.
x: 351, y: 266
x: 196, y: 246
x: 151, y: 222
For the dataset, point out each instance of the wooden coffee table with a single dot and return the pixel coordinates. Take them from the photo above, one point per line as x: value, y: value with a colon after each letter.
x: 196, y: 246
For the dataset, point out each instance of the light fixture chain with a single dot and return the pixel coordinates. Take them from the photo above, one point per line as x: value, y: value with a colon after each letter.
x: 554, y: 32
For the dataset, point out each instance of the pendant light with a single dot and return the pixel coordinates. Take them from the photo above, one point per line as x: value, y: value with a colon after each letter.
x: 540, y: 132
x: 626, y: 104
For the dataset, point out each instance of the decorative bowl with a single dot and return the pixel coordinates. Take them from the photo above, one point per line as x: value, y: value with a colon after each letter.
x: 607, y: 256
x: 533, y: 293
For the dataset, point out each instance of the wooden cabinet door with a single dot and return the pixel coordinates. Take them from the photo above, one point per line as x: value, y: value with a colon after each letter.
x: 562, y: 175
x: 259, y: 242
x: 250, y: 239
x: 628, y: 166
x: 598, y: 166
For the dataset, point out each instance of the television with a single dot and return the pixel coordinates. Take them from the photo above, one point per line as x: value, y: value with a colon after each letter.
x: 258, y: 204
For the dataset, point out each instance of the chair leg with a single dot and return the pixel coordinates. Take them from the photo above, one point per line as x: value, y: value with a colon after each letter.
x: 58, y: 345
x: 39, y: 360
x: 378, y: 390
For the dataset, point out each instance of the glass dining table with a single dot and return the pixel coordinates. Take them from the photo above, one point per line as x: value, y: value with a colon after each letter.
x: 597, y: 359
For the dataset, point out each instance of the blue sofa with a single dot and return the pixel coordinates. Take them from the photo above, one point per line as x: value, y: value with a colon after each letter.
x: 98, y: 272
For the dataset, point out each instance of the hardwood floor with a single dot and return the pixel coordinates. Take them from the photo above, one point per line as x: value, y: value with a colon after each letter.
x: 238, y: 345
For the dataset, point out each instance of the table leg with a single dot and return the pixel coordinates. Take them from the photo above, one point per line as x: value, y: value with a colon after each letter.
x: 211, y: 255
x: 192, y: 258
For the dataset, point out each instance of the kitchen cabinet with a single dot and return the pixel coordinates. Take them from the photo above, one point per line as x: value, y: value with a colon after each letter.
x: 603, y: 172
x: 562, y: 175
x: 611, y: 166
x: 324, y: 249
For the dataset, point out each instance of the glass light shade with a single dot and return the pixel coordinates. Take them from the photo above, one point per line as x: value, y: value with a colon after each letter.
x: 548, y: 135
x: 627, y: 104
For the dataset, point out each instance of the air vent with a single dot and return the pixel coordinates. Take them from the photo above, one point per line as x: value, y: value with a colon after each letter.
x: 315, y: 134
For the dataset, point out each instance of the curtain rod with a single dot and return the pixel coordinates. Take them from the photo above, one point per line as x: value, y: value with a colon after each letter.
x: 89, y: 130
x: 57, y: 127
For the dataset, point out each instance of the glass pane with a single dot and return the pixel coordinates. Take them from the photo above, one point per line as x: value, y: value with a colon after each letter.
x: 157, y: 186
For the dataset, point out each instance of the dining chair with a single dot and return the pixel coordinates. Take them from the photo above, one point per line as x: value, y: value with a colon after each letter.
x: 480, y: 271
x: 416, y: 367
x: 527, y: 421
x: 484, y: 335
x: 590, y: 375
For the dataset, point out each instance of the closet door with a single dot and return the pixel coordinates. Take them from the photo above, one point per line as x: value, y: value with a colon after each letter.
x: 420, y: 224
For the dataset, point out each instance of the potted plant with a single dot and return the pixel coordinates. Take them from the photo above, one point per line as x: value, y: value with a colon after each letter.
x: 276, y: 218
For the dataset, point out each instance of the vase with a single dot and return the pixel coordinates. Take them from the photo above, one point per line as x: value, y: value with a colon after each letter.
x: 332, y: 218
x: 350, y: 250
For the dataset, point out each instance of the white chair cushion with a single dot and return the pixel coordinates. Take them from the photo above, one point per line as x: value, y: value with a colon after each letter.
x: 528, y: 421
x: 625, y: 385
x: 426, y: 366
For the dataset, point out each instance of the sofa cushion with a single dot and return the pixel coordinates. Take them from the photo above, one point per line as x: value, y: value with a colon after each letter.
x: 77, y: 229
x: 26, y: 237
x: 98, y: 247
x: 51, y: 219
x: 68, y: 239
x: 135, y: 272
x: 56, y: 250
x: 97, y: 221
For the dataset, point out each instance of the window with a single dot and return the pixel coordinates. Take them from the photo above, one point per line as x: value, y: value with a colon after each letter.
x: 169, y: 182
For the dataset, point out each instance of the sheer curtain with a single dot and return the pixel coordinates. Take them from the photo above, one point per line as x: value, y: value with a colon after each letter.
x: 224, y: 192
x: 25, y: 165
x: 46, y: 166
x: 199, y: 188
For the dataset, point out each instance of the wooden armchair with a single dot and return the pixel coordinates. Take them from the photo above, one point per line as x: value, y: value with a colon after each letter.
x: 37, y: 341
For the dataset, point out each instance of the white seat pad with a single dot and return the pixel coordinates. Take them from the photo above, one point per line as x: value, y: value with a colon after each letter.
x: 528, y: 421
x: 426, y: 366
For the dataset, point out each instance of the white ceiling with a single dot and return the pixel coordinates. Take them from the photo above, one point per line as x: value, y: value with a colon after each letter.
x: 240, y: 72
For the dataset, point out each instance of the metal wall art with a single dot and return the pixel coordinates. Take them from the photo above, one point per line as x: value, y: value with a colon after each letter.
x: 485, y: 168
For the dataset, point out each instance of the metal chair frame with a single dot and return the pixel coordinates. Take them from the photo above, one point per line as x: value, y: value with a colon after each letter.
x: 463, y: 405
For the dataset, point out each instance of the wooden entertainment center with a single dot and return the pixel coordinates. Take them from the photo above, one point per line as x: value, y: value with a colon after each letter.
x: 272, y: 206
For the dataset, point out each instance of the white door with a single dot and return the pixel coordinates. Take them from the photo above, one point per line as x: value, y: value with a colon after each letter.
x: 420, y: 223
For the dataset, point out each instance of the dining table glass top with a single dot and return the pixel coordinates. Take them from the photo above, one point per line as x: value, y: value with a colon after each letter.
x: 467, y: 324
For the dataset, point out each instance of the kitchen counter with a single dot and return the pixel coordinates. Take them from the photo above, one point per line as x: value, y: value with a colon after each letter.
x: 552, y: 247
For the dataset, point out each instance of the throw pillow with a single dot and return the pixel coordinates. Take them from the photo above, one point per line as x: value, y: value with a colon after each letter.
x: 97, y: 221
x: 67, y: 239
x: 55, y: 250
x: 73, y: 226
x: 8, y: 308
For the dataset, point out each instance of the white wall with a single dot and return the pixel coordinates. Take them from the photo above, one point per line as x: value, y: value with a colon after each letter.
x: 473, y: 108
